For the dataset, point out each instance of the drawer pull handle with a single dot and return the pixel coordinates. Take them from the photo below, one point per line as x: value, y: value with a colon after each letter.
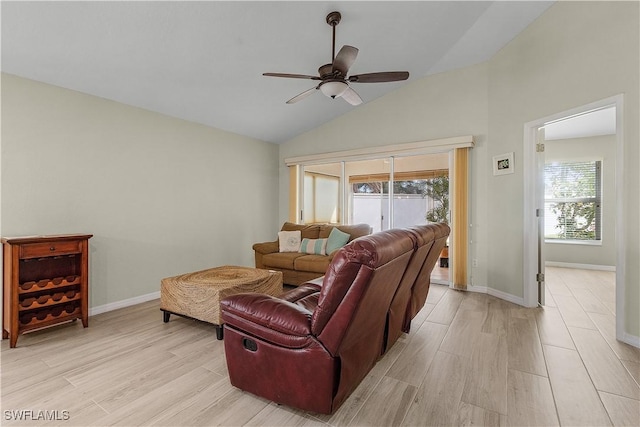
x: 52, y: 248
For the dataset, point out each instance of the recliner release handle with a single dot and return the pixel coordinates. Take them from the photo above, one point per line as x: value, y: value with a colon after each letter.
x: 249, y: 344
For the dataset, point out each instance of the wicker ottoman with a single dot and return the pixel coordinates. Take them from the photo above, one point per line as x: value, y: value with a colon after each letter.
x: 197, y: 295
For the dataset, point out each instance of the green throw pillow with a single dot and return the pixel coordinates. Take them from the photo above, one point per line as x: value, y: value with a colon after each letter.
x: 337, y: 239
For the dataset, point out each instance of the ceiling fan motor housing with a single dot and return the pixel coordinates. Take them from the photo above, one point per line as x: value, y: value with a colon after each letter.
x: 325, y: 71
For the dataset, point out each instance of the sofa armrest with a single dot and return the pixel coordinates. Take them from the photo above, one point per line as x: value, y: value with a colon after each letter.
x: 266, y: 247
x: 261, y: 249
x: 268, y: 317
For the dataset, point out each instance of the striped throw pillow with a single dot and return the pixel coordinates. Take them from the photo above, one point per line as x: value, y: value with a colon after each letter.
x: 314, y: 246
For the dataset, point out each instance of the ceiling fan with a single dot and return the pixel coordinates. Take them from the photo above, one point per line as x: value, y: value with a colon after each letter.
x: 333, y: 77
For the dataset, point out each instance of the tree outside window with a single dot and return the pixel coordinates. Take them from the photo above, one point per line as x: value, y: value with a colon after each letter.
x: 438, y: 190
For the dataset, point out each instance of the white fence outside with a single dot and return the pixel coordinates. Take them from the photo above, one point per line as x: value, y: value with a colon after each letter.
x: 372, y: 209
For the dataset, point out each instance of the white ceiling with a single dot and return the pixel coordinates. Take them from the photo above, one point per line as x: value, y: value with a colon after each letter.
x: 203, y: 61
x: 592, y: 123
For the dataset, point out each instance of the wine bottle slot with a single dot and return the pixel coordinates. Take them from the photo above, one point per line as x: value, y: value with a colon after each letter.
x: 27, y: 285
x: 25, y: 318
x: 27, y: 302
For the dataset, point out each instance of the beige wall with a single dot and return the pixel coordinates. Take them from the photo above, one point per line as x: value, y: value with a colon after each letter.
x: 574, y: 54
x: 162, y: 196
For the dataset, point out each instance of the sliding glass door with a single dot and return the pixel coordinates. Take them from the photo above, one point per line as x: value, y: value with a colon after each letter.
x: 368, y: 193
x: 391, y: 186
x: 391, y: 192
x: 418, y: 186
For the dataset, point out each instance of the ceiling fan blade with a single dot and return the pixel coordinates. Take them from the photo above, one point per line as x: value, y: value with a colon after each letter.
x: 351, y: 97
x: 291, y: 76
x: 345, y: 59
x: 385, y: 76
x: 303, y: 95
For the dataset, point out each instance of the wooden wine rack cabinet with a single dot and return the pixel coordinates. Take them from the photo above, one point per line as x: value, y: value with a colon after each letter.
x: 46, y: 282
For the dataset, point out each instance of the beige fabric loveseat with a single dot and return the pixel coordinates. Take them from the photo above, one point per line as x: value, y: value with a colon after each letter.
x: 298, y: 267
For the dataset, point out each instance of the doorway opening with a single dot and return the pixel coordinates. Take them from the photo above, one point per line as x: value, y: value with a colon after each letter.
x: 573, y: 217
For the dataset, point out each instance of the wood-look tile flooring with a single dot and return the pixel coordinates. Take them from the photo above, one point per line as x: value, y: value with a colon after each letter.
x: 470, y: 359
x: 440, y: 274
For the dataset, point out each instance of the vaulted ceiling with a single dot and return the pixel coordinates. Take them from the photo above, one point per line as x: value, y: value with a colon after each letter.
x: 203, y: 61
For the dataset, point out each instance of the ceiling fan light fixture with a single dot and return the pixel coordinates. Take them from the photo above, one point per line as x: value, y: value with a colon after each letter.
x: 333, y: 88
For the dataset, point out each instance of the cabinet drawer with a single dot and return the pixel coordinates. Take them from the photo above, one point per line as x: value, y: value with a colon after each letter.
x: 35, y: 250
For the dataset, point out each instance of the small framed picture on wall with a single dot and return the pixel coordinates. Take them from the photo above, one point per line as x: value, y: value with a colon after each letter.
x: 503, y: 164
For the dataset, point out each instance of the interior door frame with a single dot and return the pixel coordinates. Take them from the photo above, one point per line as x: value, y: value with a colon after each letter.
x: 531, y: 187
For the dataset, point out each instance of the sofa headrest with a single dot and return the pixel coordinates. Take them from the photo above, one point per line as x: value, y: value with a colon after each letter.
x: 429, y: 232
x: 353, y: 230
x: 441, y: 229
x: 378, y: 249
x: 322, y: 231
x: 310, y: 231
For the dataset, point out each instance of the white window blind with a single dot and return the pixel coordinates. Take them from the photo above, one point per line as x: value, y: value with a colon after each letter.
x: 573, y: 200
x: 321, y: 198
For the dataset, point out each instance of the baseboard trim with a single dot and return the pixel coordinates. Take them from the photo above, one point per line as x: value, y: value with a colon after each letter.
x: 505, y: 296
x: 498, y: 294
x: 631, y: 340
x: 580, y: 266
x: 478, y: 289
x: 124, y: 303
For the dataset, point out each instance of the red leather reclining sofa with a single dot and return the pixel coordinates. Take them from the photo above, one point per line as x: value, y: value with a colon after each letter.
x: 313, y: 345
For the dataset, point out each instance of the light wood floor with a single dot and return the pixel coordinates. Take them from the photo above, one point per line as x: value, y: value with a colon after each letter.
x: 440, y: 274
x: 469, y: 359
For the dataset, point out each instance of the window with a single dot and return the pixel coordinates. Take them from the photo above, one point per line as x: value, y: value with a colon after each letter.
x: 572, y: 196
x: 321, y: 198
